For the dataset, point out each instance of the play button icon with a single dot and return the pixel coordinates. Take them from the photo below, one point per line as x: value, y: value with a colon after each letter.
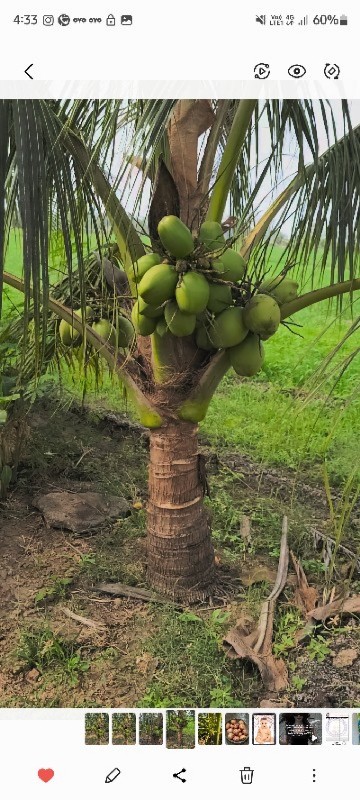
x: 262, y: 71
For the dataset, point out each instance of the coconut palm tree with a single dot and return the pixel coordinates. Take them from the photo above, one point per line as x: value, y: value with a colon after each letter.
x: 59, y: 170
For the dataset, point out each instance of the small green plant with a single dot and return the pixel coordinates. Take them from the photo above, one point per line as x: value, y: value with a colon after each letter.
x: 286, y: 627
x: 298, y: 683
x: 56, y: 590
x: 87, y: 558
x: 74, y: 666
x: 313, y: 566
x: 222, y: 696
x: 45, y: 651
x: 318, y: 649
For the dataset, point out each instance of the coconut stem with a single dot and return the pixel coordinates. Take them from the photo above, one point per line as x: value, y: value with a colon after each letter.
x: 325, y: 293
x: 196, y: 405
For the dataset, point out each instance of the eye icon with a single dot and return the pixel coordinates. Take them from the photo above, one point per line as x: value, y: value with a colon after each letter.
x: 297, y: 71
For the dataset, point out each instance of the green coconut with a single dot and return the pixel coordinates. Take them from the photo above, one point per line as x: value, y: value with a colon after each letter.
x: 175, y: 237
x: 248, y: 356
x: 192, y: 293
x: 229, y: 328
x: 145, y: 263
x: 262, y: 315
x: 68, y: 334
x: 211, y: 235
x: 233, y: 265
x: 125, y: 332
x: 178, y: 322
x: 282, y: 289
x: 149, y: 310
x: 106, y: 330
x: 203, y: 339
x: 144, y: 326
x: 161, y: 327
x: 220, y: 298
x: 89, y: 314
x: 158, y: 284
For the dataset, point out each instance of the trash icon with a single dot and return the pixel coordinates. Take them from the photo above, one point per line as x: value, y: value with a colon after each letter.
x: 246, y: 775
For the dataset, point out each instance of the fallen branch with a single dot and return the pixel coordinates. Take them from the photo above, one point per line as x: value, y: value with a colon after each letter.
x: 257, y: 645
x: 83, y: 620
x: 350, y: 605
x: 305, y: 596
x: 122, y: 590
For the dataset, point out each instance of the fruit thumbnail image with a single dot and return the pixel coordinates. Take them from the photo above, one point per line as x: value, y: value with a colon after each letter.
x: 264, y: 731
x: 236, y: 728
x: 123, y: 729
x: 356, y: 728
x: 180, y: 729
x: 151, y: 728
x: 300, y: 729
x: 210, y: 728
x: 97, y: 728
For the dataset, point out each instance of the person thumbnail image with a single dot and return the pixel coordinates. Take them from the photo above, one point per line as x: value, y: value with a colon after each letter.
x: 263, y: 728
x: 300, y: 728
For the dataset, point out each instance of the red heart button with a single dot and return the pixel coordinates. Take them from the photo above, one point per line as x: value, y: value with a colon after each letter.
x: 45, y: 774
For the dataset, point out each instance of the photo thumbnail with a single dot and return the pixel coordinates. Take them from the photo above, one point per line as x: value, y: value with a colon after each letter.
x: 299, y: 728
x: 264, y: 729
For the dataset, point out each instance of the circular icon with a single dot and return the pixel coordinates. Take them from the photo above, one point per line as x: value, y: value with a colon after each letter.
x: 64, y: 19
x: 297, y: 71
x: 262, y: 71
x: 332, y: 71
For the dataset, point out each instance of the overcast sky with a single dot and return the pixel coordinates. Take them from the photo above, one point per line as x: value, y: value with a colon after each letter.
x: 268, y: 190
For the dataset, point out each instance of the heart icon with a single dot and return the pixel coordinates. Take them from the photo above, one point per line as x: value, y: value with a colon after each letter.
x: 45, y: 774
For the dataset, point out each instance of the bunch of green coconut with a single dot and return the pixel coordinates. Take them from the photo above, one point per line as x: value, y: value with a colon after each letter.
x: 198, y: 289
x: 120, y: 336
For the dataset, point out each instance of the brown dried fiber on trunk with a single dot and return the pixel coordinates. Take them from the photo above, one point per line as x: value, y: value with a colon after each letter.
x: 180, y: 552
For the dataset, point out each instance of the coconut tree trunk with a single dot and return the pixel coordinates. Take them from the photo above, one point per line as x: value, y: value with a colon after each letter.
x: 180, y: 552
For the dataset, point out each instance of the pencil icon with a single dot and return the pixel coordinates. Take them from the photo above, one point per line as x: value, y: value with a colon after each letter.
x: 112, y: 775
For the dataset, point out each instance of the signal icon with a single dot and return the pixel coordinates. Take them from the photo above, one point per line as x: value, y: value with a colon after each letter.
x: 261, y: 18
x: 304, y: 20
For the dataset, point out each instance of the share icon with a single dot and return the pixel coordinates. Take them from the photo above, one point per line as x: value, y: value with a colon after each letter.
x: 177, y: 775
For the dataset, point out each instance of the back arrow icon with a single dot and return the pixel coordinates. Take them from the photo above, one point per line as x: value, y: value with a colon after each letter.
x: 27, y: 71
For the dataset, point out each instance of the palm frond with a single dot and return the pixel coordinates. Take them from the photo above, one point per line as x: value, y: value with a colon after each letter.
x: 321, y: 205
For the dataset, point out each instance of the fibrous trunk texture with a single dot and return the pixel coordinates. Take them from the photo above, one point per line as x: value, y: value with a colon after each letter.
x: 180, y: 552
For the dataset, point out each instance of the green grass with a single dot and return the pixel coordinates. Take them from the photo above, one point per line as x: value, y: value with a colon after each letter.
x: 192, y: 663
x: 287, y: 417
x: 52, y: 655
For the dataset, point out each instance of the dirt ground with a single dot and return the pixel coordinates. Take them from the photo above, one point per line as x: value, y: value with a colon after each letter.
x: 49, y: 658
